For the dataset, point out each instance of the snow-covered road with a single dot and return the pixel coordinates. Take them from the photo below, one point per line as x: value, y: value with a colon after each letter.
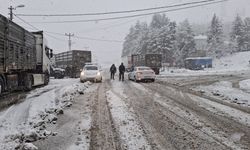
x: 167, y: 114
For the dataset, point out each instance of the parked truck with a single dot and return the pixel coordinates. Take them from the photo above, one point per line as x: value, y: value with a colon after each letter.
x: 198, y: 63
x: 24, y: 57
x: 73, y: 61
x: 154, y: 61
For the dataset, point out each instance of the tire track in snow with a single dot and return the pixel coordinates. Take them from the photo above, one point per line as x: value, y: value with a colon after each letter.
x: 130, y: 131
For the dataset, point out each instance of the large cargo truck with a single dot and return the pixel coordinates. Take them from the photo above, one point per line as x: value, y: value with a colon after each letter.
x: 24, y: 57
x: 154, y: 61
x: 73, y: 61
x: 127, y: 62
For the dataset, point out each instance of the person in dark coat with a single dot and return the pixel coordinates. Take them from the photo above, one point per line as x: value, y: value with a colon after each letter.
x: 112, y: 71
x: 121, y: 72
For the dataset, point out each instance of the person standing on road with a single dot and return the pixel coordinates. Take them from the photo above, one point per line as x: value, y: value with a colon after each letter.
x: 121, y: 72
x: 112, y: 71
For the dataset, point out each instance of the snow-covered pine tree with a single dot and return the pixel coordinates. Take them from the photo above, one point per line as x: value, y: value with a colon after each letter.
x: 185, y: 42
x: 237, y: 34
x: 247, y: 34
x: 215, y: 38
x: 162, y: 37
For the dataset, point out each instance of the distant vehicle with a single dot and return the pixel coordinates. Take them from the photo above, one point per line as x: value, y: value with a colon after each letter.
x: 72, y: 61
x: 142, y: 73
x: 57, y: 73
x: 91, y: 73
x: 198, y: 63
x: 127, y: 62
x: 154, y: 61
x: 24, y: 57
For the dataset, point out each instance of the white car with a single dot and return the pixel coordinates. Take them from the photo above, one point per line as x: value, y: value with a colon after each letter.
x: 91, y: 73
x: 142, y: 73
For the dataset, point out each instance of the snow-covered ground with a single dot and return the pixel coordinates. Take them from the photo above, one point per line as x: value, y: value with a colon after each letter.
x: 125, y: 120
x: 229, y: 64
x: 227, y: 92
x: 26, y: 122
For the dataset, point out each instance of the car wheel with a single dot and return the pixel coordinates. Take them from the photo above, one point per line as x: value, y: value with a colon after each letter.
x: 153, y: 80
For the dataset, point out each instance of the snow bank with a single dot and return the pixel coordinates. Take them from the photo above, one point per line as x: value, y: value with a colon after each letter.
x: 131, y: 133
x: 225, y: 91
x: 245, y: 85
x: 229, y: 64
x: 26, y: 122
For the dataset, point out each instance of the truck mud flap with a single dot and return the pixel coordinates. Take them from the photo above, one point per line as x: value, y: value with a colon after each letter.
x: 38, y: 79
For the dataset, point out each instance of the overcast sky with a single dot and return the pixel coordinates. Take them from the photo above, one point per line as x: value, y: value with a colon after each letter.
x: 109, y: 52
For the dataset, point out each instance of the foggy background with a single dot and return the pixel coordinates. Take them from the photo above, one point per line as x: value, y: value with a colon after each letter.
x: 113, y: 30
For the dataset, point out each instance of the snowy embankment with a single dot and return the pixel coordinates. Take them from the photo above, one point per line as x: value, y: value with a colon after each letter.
x: 228, y: 64
x: 125, y: 121
x: 225, y: 91
x: 26, y: 122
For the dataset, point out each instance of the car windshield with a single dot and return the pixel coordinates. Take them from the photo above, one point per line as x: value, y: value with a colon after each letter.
x: 91, y: 68
x: 144, y: 69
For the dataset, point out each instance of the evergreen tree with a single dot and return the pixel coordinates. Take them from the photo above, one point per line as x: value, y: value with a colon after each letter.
x: 247, y: 34
x: 185, y: 42
x: 215, y: 38
x: 162, y: 37
x: 237, y: 35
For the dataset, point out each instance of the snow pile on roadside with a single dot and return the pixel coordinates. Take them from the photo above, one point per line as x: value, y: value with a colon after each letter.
x: 236, y: 62
x: 245, y: 85
x: 131, y: 134
x: 232, y: 63
x: 225, y: 91
x: 41, y: 108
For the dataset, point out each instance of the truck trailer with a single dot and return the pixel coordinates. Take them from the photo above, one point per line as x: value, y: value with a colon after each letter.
x: 73, y: 61
x: 24, y: 57
x: 198, y: 63
x: 154, y: 61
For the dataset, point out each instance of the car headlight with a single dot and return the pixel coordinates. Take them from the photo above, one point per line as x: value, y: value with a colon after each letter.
x: 82, y: 73
x: 98, y: 73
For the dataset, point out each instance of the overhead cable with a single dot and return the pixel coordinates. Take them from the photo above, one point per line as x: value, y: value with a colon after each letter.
x: 116, y: 12
x: 131, y: 16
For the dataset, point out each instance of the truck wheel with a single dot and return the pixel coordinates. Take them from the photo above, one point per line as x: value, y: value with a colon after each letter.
x: 28, y: 82
x: 46, y: 79
x: 1, y: 85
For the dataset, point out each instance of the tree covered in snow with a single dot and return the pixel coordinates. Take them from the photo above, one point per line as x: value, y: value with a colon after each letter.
x: 247, y: 34
x: 215, y: 38
x: 162, y: 37
x: 134, y: 41
x: 185, y: 42
x: 238, y: 34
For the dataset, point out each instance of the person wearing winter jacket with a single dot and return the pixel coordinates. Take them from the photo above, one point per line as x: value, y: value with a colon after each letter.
x: 121, y: 72
x: 112, y: 71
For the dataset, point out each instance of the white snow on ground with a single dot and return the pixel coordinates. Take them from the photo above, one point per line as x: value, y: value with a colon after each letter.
x: 195, y: 120
x: 229, y: 64
x: 222, y: 110
x: 245, y: 85
x: 26, y: 122
x: 130, y: 131
x: 225, y: 91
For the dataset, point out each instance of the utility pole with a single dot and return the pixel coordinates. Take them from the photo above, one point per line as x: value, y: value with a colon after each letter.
x: 11, y: 12
x: 13, y: 8
x: 70, y: 42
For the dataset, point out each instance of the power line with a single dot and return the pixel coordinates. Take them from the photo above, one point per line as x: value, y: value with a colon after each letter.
x: 37, y: 28
x: 131, y: 16
x: 86, y: 38
x: 116, y: 12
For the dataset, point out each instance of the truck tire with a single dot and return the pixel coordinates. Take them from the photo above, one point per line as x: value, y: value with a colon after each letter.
x: 1, y: 85
x: 28, y: 82
x: 46, y: 79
